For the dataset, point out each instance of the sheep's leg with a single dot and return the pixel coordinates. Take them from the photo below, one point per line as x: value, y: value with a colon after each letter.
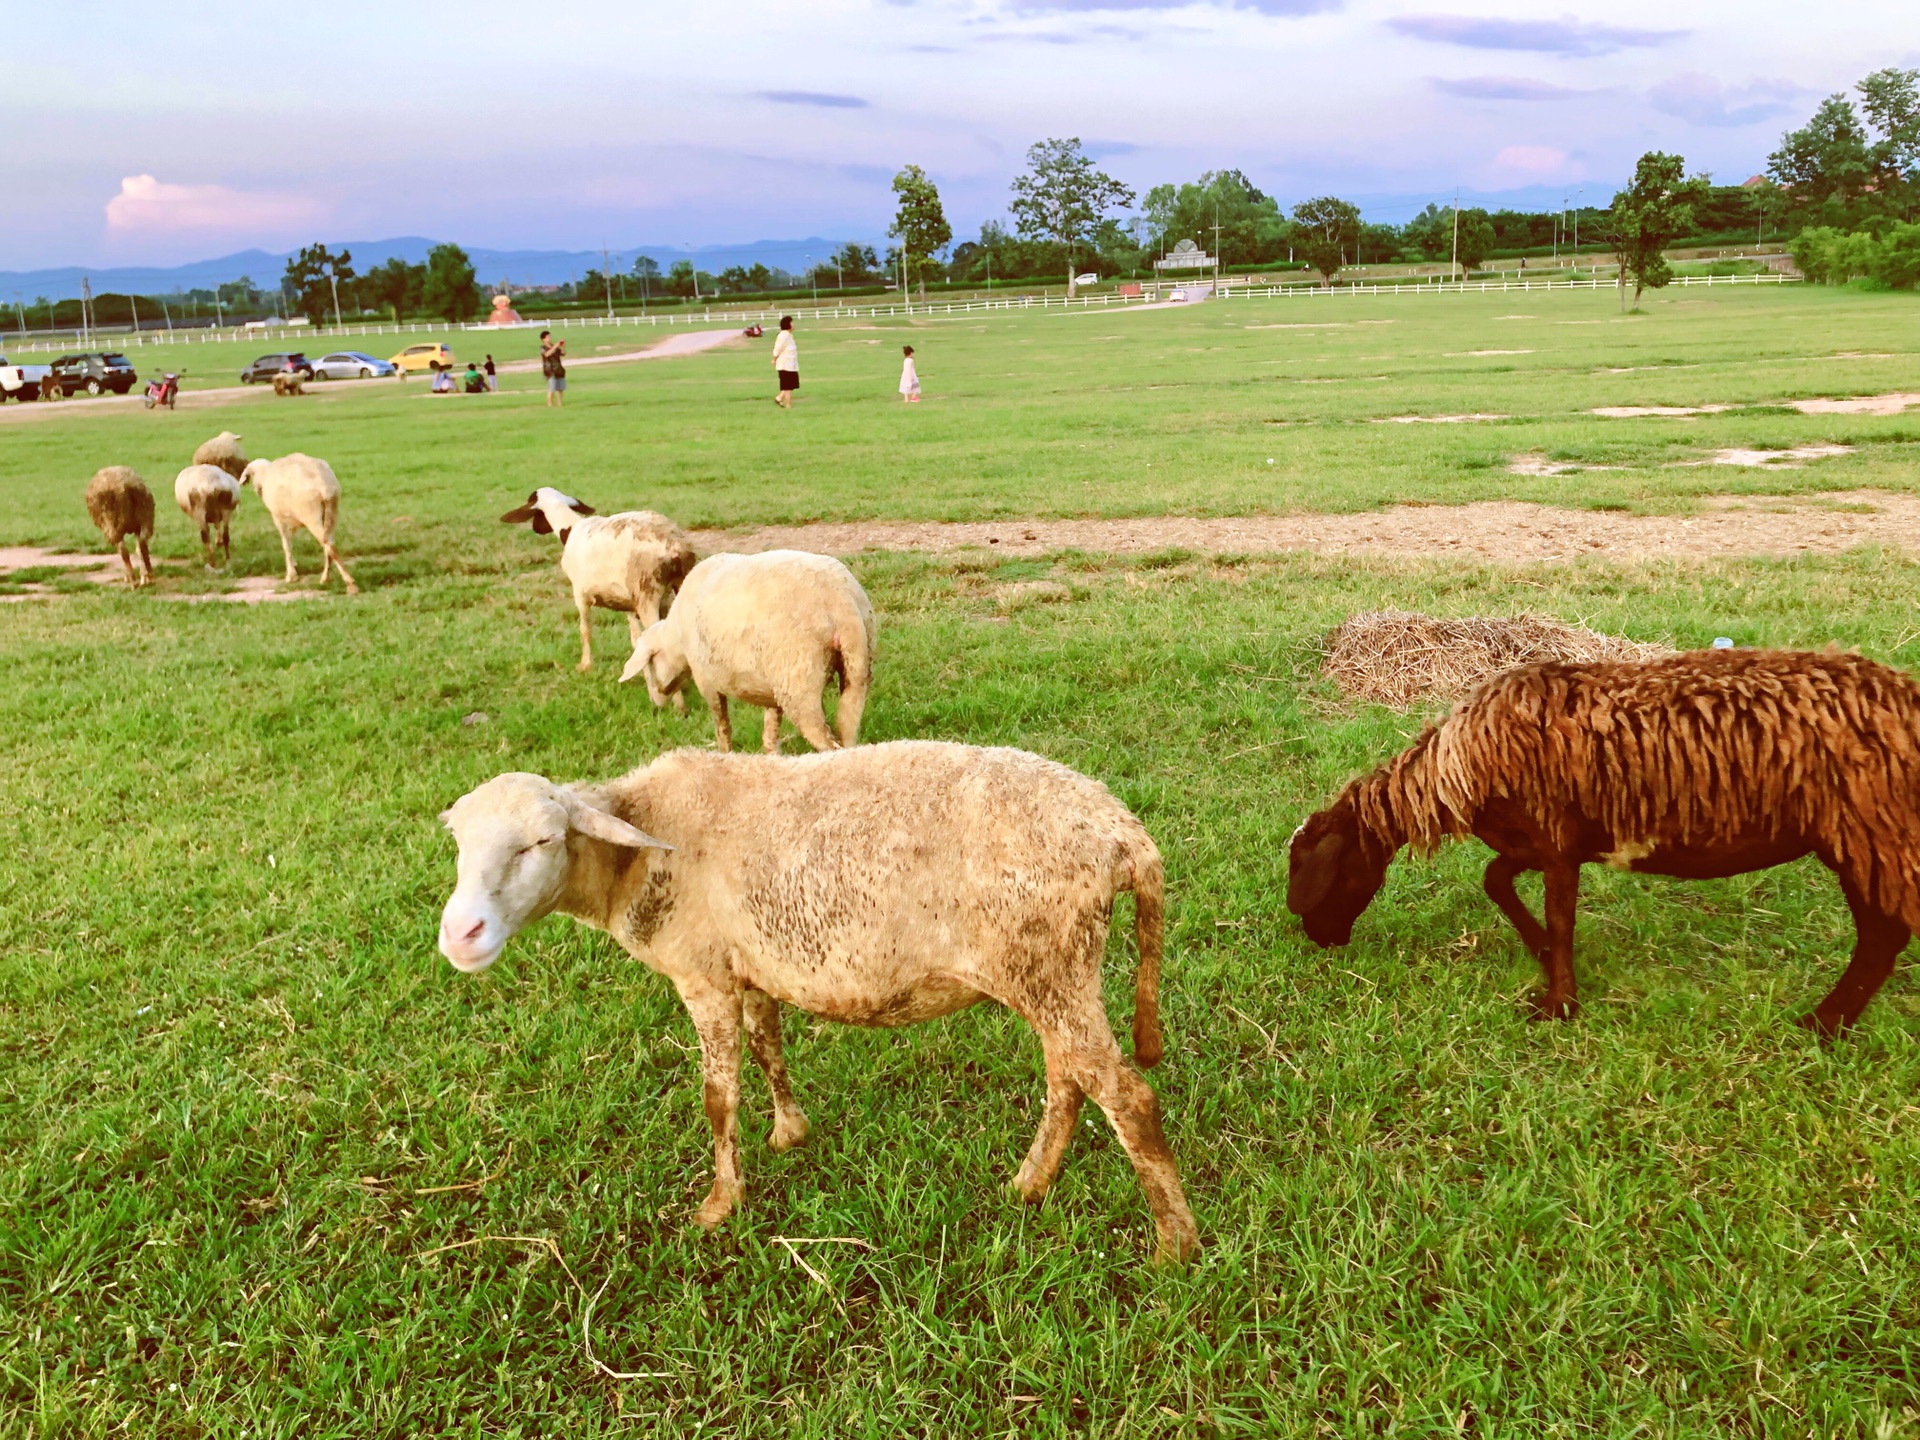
x: 146, y: 560
x: 1558, y: 1001
x: 1038, y: 1171
x: 716, y: 1019
x: 1498, y: 884
x: 226, y: 542
x: 340, y: 565
x: 206, y: 543
x: 1134, y: 1111
x: 762, y: 1014
x: 853, y: 701
x: 586, y: 632
x: 126, y: 561
x: 722, y: 727
x: 1878, y: 940
x: 770, y: 730
x: 286, y: 548
x: 634, y: 628
x: 810, y: 719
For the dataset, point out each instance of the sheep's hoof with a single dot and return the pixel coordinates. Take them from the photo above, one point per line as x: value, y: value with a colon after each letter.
x: 718, y: 1205
x: 789, y: 1130
x: 584, y: 666
x: 1549, y: 1007
x: 1030, y: 1187
x: 352, y: 589
x: 1178, y: 1244
x: 1826, y: 1027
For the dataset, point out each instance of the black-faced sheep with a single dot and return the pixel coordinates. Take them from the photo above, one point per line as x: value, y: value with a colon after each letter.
x: 121, y: 505
x: 884, y: 885
x: 1701, y: 765
x: 631, y: 562
x: 768, y: 630
x: 208, y: 495
x: 301, y: 492
x: 223, y: 452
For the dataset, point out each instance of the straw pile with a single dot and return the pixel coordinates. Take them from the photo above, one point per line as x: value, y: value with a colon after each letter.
x: 1399, y: 658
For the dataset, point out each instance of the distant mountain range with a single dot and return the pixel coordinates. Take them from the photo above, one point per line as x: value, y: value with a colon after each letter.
x: 516, y: 267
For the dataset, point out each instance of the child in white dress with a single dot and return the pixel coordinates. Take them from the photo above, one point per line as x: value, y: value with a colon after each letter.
x: 909, y: 378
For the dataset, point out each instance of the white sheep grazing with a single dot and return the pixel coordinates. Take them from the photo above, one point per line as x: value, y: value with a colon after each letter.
x: 224, y: 451
x: 768, y: 630
x: 632, y: 562
x: 209, y: 496
x: 883, y: 885
x: 300, y: 491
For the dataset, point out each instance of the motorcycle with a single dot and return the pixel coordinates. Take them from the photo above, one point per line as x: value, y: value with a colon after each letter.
x: 164, y: 391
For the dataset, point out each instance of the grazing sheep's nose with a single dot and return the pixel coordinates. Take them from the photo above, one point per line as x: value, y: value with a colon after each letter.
x: 474, y: 932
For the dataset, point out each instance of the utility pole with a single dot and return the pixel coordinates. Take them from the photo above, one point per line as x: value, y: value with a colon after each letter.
x: 86, y: 311
x: 1216, y: 245
x: 813, y: 278
x: 166, y: 315
x: 1456, y: 231
x: 333, y: 281
x: 135, y: 303
x: 1578, y: 196
x: 606, y: 273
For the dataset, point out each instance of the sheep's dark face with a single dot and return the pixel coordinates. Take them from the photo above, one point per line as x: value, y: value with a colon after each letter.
x: 1332, y: 874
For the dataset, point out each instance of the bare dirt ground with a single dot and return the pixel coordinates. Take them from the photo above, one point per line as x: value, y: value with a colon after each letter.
x: 1503, y: 531
x: 105, y: 570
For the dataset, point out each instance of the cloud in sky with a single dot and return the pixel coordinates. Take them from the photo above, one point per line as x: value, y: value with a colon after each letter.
x: 1505, y: 87
x: 1530, y: 162
x: 818, y: 99
x: 147, y: 204
x: 1705, y: 101
x: 1262, y: 7
x: 1565, y: 36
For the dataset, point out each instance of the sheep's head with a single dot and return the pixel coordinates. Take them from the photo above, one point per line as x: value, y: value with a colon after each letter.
x: 515, y: 834
x: 550, y: 511
x: 660, y: 657
x: 1333, y: 873
x: 251, y: 474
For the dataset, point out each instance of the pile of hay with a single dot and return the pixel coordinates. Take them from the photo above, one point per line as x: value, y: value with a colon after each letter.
x: 1399, y: 658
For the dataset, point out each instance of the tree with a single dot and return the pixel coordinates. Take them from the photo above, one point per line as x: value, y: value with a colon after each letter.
x: 1476, y: 239
x: 1223, y: 211
x: 680, y: 279
x: 1648, y: 216
x: 1325, y: 230
x: 856, y: 264
x: 1062, y: 197
x: 919, y: 223
x: 1848, y: 165
x: 307, y: 282
x: 449, y: 290
x: 394, y: 286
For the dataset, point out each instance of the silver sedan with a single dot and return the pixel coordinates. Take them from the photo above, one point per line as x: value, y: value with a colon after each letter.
x: 350, y: 365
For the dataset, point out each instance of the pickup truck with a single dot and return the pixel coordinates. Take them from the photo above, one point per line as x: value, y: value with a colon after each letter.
x: 21, y: 382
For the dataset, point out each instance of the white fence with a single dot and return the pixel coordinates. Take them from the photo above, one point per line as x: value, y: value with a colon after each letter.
x: 337, y: 336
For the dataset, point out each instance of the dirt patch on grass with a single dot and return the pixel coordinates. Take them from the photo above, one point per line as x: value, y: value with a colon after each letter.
x: 1435, y: 419
x: 1401, y: 658
x: 1634, y: 412
x: 27, y: 557
x: 1895, y: 403
x: 1501, y: 531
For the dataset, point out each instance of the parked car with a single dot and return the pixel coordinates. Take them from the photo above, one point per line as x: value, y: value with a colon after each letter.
x: 268, y: 366
x: 21, y: 382
x: 350, y: 365
x: 417, y: 359
x: 94, y: 371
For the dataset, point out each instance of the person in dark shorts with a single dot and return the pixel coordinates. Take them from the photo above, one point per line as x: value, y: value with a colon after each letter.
x: 553, y: 365
x: 493, y: 378
x: 786, y: 363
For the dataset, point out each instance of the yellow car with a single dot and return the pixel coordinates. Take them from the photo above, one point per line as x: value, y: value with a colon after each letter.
x: 418, y: 358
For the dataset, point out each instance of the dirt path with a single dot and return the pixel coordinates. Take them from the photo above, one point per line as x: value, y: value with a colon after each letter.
x: 668, y: 347
x: 1506, y: 531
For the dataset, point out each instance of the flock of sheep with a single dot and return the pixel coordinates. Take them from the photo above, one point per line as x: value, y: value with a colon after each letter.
x: 300, y: 493
x: 894, y: 883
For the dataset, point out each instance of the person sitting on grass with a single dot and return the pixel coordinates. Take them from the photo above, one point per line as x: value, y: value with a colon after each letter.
x: 474, y: 383
x: 442, y: 377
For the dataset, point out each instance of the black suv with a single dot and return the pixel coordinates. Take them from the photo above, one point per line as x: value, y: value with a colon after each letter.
x: 93, y: 372
x: 268, y: 366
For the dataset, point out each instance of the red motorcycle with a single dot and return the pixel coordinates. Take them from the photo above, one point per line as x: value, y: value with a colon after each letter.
x: 164, y: 391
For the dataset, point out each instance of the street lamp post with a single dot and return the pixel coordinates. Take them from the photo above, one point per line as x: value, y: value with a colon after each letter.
x: 333, y: 280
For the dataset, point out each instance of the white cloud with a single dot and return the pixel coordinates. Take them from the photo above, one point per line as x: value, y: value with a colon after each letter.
x: 1533, y: 162
x: 147, y: 204
x: 1705, y: 101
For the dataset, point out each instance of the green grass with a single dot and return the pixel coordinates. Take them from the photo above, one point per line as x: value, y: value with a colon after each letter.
x: 230, y: 1058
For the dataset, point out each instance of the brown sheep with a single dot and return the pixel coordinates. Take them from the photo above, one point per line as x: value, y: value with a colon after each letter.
x: 288, y: 382
x: 1699, y: 766
x: 120, y: 505
x: 879, y: 885
x: 223, y: 452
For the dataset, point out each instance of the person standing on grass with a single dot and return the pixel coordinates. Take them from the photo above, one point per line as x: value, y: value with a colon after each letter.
x: 909, y: 378
x: 786, y: 363
x: 493, y: 378
x: 553, y: 365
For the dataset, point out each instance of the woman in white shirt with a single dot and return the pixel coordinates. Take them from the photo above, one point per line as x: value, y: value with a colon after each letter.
x: 786, y: 363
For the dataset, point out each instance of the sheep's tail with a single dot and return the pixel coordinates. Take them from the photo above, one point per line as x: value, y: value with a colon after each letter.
x: 1149, y: 926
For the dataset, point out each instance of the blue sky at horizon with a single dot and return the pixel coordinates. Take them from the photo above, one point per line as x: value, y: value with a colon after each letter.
x: 233, y: 125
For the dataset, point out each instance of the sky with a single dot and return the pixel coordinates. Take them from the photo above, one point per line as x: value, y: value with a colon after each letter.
x: 142, y: 138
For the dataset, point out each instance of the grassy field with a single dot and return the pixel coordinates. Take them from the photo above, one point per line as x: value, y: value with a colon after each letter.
x: 246, y: 1109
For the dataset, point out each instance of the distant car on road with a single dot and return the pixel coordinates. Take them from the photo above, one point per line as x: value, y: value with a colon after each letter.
x: 418, y: 358
x: 351, y: 365
x: 268, y: 366
x: 93, y: 371
x: 21, y: 382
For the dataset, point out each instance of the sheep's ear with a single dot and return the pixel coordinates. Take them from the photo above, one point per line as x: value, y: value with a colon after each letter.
x: 637, y: 662
x: 591, y: 820
x: 541, y: 525
x: 446, y: 817
x: 1310, y: 873
x: 520, y: 516
x: 580, y: 509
